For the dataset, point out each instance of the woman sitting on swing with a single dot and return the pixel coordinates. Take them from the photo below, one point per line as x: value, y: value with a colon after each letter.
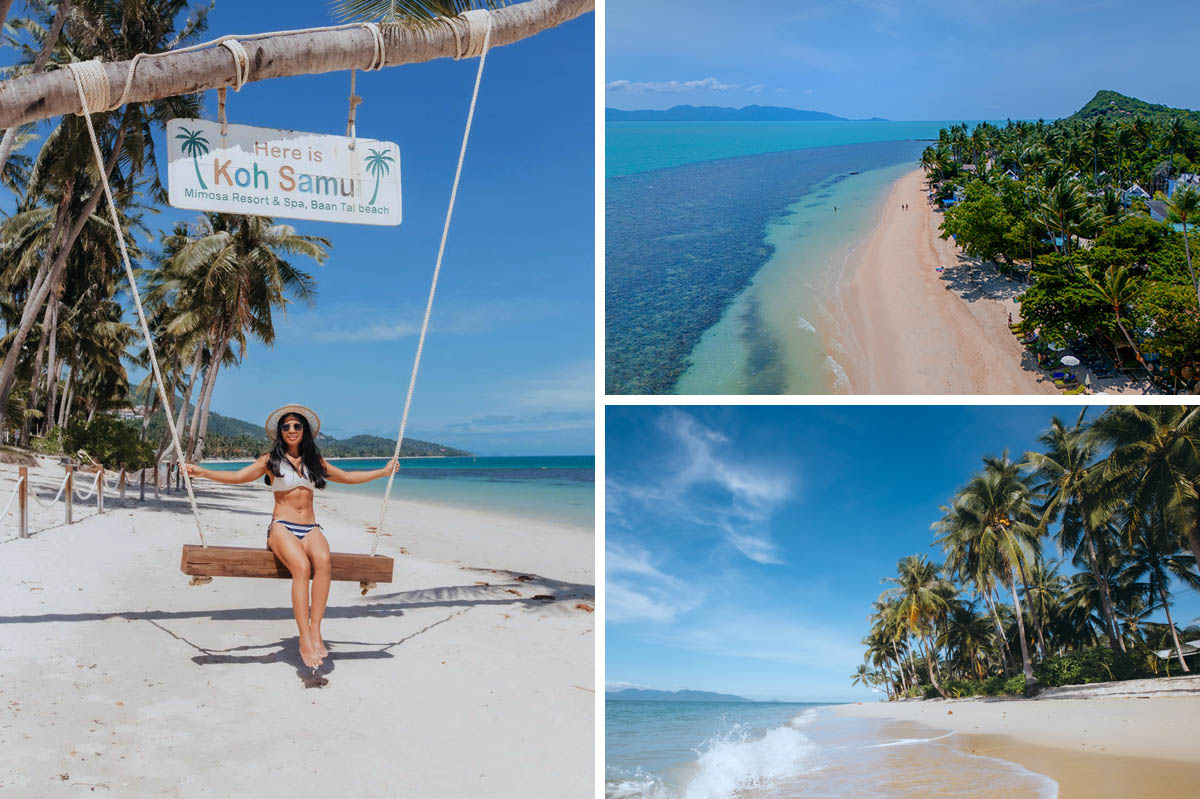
x: 293, y: 469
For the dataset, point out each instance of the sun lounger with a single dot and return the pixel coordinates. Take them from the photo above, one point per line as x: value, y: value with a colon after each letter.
x: 1076, y: 390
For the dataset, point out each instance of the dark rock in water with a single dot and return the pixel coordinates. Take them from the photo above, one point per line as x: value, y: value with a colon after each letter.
x: 543, y: 596
x: 680, y: 243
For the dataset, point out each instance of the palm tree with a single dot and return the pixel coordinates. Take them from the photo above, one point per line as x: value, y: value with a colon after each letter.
x: 227, y: 279
x: 994, y: 514
x: 1125, y: 139
x: 1064, y: 210
x: 111, y: 30
x: 1175, y: 136
x: 1154, y: 462
x: 1156, y: 558
x: 922, y: 601
x: 1063, y: 470
x: 967, y: 635
x: 1118, y: 286
x: 1185, y: 204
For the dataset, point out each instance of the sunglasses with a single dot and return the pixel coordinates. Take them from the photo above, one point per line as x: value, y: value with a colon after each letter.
x: 289, y: 426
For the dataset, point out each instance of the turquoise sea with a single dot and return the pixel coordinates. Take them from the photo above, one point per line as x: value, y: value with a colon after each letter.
x: 725, y: 244
x: 777, y: 750
x: 559, y: 488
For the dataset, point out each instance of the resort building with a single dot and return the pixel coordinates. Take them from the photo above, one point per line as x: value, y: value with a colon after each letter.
x: 1183, y: 181
x: 1134, y: 192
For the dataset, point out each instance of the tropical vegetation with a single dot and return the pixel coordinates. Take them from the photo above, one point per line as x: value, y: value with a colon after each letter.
x: 1096, y: 214
x: 1053, y: 566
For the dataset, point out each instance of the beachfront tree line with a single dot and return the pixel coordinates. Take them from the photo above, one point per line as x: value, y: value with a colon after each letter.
x: 1059, y: 206
x: 1117, y: 499
x: 209, y: 286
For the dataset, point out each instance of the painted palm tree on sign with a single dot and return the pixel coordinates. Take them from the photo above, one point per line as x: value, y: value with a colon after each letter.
x: 378, y: 164
x: 194, y: 145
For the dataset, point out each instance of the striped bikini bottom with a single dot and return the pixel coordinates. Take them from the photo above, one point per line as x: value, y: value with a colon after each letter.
x: 298, y: 530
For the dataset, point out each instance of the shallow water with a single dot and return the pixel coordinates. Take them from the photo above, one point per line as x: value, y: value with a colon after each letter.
x: 686, y: 750
x: 781, y: 334
x: 554, y: 488
x: 684, y: 243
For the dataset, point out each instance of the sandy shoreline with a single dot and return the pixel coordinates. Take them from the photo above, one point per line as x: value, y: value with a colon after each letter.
x: 1099, y: 747
x: 117, y: 675
x: 909, y: 329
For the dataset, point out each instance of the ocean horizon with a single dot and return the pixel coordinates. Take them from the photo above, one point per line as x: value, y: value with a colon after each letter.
x: 657, y: 749
x: 559, y: 488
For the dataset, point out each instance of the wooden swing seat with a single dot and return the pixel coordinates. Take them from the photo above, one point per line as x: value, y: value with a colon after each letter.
x: 201, y: 561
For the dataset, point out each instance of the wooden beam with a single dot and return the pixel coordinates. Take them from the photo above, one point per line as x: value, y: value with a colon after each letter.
x: 251, y: 562
x: 277, y: 55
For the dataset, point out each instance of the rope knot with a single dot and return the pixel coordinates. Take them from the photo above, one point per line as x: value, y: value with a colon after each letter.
x: 471, y: 42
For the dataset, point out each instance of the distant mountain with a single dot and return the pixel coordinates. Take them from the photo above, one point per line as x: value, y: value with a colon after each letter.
x: 234, y: 437
x: 712, y: 113
x: 1114, y: 105
x: 646, y: 695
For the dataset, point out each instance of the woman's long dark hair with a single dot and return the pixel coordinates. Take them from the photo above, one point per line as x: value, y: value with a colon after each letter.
x: 310, y: 456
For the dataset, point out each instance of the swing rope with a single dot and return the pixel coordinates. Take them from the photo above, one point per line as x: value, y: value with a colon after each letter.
x: 474, y: 19
x: 92, y: 85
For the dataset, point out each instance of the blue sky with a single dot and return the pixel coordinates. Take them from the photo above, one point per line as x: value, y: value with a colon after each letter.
x: 508, y: 363
x: 899, y: 59
x: 745, y: 545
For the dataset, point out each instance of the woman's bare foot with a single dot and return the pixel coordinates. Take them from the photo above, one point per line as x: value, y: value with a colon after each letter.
x: 320, y: 642
x: 310, y: 653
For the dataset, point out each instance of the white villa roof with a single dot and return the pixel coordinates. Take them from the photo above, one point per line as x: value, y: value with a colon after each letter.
x: 1188, y: 647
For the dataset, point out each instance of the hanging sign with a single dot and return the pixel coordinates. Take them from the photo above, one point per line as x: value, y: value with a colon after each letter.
x: 286, y: 173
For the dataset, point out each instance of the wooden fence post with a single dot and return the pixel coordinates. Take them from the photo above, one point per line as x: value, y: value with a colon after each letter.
x: 100, y: 490
x: 70, y: 487
x: 121, y: 482
x: 156, y: 479
x: 142, y: 489
x: 23, y: 502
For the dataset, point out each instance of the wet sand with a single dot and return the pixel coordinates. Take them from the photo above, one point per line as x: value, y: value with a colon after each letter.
x: 1099, y: 747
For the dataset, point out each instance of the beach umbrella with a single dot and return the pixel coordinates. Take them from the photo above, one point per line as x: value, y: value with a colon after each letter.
x: 1069, y: 360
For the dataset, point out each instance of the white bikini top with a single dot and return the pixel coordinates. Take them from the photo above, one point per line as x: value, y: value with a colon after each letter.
x: 289, y: 478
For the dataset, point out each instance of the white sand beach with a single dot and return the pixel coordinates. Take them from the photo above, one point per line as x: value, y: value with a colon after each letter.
x: 909, y: 329
x: 117, y: 676
x: 1134, y: 743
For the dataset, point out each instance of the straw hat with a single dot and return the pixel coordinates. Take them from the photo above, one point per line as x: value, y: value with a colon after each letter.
x: 314, y: 421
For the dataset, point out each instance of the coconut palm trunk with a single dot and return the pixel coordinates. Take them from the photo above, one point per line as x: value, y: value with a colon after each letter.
x: 1033, y: 615
x: 60, y: 16
x: 1026, y: 664
x: 53, y: 369
x: 991, y: 603
x: 35, y: 390
x: 53, y: 93
x: 205, y: 399
x: 929, y: 665
x: 1110, y: 621
x: 1171, y: 625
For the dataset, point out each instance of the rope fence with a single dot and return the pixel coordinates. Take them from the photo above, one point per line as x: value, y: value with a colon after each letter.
x: 46, y: 514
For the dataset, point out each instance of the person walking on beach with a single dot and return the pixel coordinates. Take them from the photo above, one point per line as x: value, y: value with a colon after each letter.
x: 294, y: 469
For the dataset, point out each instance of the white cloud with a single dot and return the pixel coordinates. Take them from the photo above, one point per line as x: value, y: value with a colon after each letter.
x: 747, y: 496
x: 636, y: 590
x: 672, y: 86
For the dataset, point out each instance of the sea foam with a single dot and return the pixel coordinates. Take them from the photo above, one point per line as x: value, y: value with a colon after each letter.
x: 738, y: 763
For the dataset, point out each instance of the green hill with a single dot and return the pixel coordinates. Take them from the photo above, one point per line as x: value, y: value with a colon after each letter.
x: 1115, y: 105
